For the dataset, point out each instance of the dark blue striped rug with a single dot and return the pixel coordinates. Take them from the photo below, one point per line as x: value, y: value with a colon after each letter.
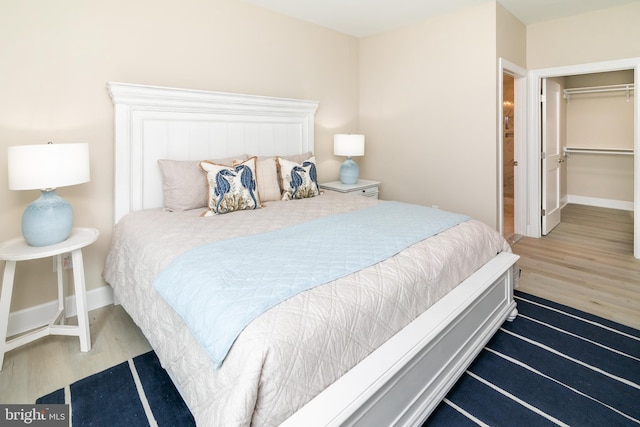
x: 553, y: 365
x: 135, y: 393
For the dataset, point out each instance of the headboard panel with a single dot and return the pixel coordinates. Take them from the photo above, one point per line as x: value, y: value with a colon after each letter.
x: 153, y: 123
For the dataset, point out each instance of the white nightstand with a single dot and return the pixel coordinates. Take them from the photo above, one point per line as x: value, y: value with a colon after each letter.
x: 16, y: 250
x: 364, y: 187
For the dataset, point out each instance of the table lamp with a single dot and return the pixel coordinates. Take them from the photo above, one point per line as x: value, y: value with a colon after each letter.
x: 49, y: 219
x: 348, y: 145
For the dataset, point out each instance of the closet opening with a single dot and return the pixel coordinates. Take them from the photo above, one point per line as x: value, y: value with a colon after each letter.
x: 597, y: 141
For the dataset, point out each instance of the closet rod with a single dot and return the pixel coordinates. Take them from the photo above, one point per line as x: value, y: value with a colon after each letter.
x: 569, y: 150
x: 628, y: 87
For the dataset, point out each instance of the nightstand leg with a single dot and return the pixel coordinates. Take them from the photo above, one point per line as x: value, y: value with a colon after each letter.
x: 5, y: 305
x: 59, y: 269
x: 81, y: 300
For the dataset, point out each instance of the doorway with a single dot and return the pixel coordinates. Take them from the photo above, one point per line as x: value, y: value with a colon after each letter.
x: 587, y: 130
x: 534, y: 148
x: 508, y: 158
x: 512, y: 136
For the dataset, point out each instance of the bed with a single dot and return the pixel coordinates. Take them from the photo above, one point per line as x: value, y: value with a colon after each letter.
x: 381, y: 344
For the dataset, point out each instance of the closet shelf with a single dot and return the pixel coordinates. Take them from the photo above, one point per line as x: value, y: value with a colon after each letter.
x: 627, y: 87
x: 623, y: 151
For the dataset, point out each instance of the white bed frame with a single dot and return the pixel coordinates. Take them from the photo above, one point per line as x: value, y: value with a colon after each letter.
x: 401, y: 382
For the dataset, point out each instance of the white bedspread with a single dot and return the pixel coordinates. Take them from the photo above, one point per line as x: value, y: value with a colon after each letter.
x: 292, y: 352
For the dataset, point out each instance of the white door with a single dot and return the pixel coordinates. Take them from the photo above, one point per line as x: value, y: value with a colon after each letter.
x: 551, y: 155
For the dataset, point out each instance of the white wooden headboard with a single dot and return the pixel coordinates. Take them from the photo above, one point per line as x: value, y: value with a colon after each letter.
x: 153, y: 123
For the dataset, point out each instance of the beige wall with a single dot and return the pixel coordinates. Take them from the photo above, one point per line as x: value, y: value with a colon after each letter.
x: 599, y: 36
x: 511, y: 37
x: 601, y: 120
x: 607, y: 35
x: 56, y: 57
x: 424, y: 95
x: 428, y: 110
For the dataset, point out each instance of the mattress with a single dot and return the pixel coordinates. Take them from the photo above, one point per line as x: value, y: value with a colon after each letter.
x: 290, y: 353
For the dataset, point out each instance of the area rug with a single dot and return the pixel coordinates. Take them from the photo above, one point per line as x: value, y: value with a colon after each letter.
x: 135, y: 393
x: 553, y: 365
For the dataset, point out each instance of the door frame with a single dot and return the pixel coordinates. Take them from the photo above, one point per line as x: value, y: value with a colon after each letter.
x: 534, y: 147
x: 520, y: 77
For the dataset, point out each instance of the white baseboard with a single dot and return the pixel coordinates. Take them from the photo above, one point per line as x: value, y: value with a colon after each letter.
x: 602, y: 203
x: 33, y: 317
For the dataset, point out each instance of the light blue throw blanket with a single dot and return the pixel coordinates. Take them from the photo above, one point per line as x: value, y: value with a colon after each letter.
x: 220, y: 287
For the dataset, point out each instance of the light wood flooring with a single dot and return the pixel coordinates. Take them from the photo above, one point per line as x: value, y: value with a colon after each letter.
x: 586, y: 262
x: 53, y: 362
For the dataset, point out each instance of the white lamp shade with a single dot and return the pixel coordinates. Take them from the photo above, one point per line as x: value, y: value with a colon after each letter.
x: 45, y: 166
x: 348, y: 144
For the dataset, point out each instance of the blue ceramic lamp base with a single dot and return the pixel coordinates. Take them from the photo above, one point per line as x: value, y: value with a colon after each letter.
x: 47, y: 220
x: 349, y: 172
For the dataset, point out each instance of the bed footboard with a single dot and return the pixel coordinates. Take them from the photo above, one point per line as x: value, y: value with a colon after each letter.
x: 403, y: 381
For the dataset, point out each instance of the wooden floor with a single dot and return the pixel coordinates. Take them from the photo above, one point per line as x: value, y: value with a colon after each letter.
x: 50, y: 363
x: 586, y: 262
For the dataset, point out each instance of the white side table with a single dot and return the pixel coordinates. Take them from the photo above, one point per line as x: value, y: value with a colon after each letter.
x: 364, y: 187
x: 16, y: 250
